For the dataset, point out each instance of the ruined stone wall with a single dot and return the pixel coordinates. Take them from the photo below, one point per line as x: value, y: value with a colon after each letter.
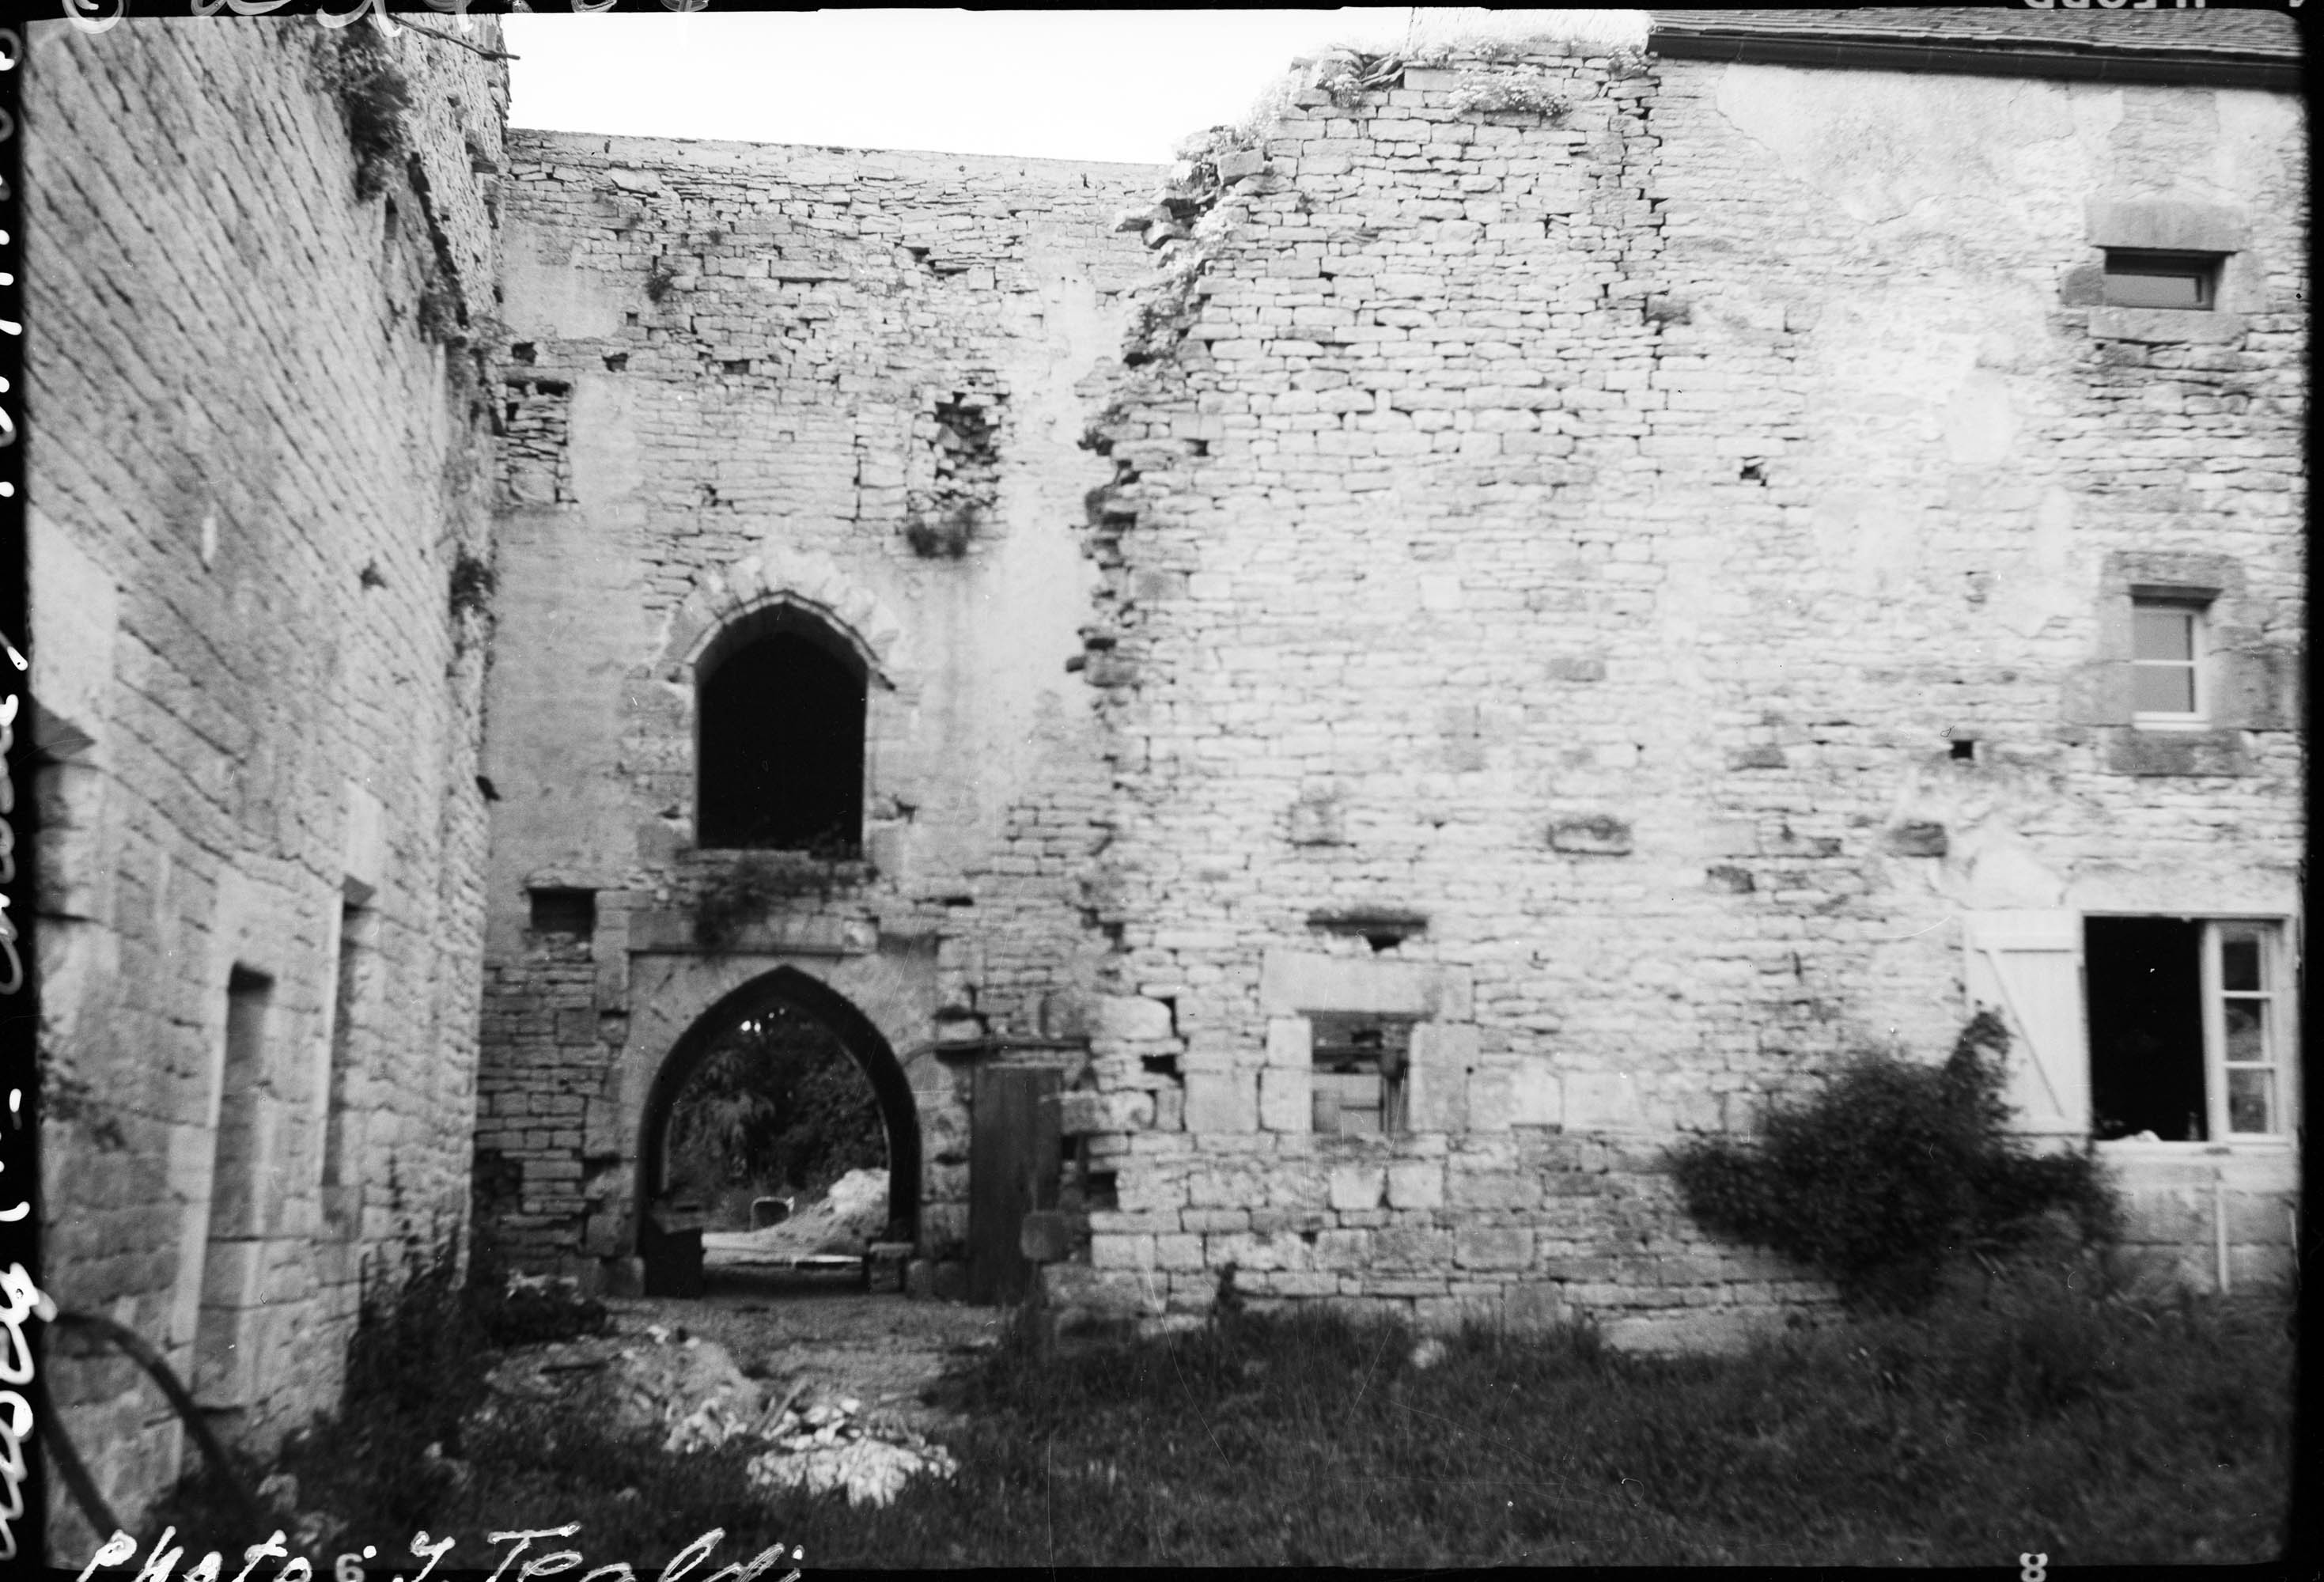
x: 742, y: 377
x: 258, y: 474
x: 1591, y: 533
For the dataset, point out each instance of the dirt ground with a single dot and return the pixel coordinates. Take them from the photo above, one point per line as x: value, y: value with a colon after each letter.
x: 828, y: 1334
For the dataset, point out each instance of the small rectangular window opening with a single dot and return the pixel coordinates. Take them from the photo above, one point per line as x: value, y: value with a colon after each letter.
x: 2184, y: 1029
x: 563, y: 911
x: 1362, y: 1064
x: 2136, y: 278
x: 2166, y: 660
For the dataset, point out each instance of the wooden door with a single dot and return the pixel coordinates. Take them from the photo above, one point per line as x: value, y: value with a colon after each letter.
x: 1014, y: 1157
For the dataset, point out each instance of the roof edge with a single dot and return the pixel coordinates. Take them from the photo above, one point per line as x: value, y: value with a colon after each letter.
x: 2202, y: 68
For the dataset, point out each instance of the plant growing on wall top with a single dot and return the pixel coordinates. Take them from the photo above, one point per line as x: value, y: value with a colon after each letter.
x: 1525, y: 89
x: 1895, y: 1170
x: 1347, y: 77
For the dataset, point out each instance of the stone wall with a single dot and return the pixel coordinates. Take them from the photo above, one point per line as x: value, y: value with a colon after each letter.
x: 743, y: 378
x: 1587, y: 540
x: 259, y: 516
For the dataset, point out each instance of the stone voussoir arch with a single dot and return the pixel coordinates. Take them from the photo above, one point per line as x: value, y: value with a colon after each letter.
x: 811, y: 584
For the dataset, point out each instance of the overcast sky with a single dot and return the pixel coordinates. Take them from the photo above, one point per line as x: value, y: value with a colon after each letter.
x: 1085, y: 85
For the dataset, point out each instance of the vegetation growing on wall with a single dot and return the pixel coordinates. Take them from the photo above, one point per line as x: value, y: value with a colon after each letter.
x: 472, y: 580
x: 357, y: 69
x: 1528, y: 90
x: 735, y: 897
x: 1894, y: 1170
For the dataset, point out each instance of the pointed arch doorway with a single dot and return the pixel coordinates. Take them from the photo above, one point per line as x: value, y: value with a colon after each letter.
x: 798, y: 1001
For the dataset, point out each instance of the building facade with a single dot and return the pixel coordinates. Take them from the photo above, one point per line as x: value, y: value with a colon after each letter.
x: 1302, y: 715
x: 791, y: 487
x: 1634, y: 575
x: 259, y: 531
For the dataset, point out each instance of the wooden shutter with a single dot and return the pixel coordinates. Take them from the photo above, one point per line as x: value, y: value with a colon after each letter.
x: 2027, y: 966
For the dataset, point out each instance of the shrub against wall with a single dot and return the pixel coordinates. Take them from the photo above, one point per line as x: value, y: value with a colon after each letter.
x: 1892, y: 1171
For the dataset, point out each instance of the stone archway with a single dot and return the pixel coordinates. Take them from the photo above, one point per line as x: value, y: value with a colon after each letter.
x: 788, y: 988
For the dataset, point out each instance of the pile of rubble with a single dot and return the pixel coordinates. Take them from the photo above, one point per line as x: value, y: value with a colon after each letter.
x: 835, y: 1445
x: 689, y: 1393
x: 846, y: 1220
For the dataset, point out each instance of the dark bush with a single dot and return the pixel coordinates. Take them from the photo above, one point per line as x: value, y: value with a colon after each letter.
x: 1891, y: 1172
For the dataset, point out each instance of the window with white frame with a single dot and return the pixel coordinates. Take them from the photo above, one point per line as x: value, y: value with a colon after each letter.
x: 2167, y: 684
x: 2186, y: 1028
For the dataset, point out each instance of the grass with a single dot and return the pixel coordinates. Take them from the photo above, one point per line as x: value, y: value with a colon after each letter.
x: 2028, y: 1416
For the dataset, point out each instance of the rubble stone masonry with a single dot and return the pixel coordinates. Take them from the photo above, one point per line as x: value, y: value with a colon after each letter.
x: 1591, y: 534
x: 260, y: 530
x: 850, y: 385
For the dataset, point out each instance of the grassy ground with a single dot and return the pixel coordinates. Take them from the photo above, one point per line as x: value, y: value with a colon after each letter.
x: 2028, y: 1417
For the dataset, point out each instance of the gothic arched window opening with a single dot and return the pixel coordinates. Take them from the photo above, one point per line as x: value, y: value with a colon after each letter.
x: 780, y: 750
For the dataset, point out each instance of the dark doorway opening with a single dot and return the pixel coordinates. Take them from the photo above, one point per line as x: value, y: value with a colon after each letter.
x: 777, y: 1094
x: 780, y: 750
x: 2146, y: 1027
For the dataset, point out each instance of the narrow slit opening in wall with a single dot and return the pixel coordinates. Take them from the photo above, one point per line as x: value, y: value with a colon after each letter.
x: 355, y: 939
x: 238, y: 1210
x: 1362, y: 1063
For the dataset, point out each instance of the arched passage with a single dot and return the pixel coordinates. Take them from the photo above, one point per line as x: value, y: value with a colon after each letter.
x: 790, y: 990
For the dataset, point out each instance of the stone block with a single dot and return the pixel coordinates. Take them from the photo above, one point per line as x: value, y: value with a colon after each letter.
x: 1134, y: 1019
x: 1604, y: 1102
x: 1416, y: 1184
x: 1600, y: 834
x: 1411, y: 1248
x: 1358, y: 1186
x: 1531, y: 1307
x: 1286, y: 1098
x: 1121, y: 1252
x: 1290, y: 1042
x: 1492, y: 1246
x: 1177, y: 1251
x: 1294, y: 981
x: 1918, y: 839
x: 1536, y: 1092
x: 1492, y: 1094
x: 1222, y: 1101
x: 2133, y: 752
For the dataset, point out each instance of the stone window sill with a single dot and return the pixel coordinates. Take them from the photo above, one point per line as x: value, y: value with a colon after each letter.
x: 2141, y: 750
x: 2165, y: 326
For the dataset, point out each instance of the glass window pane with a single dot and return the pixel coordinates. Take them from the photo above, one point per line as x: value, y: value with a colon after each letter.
x: 2239, y: 960
x: 2246, y: 1022
x: 2162, y: 634
x: 2250, y: 1100
x: 2163, y: 689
